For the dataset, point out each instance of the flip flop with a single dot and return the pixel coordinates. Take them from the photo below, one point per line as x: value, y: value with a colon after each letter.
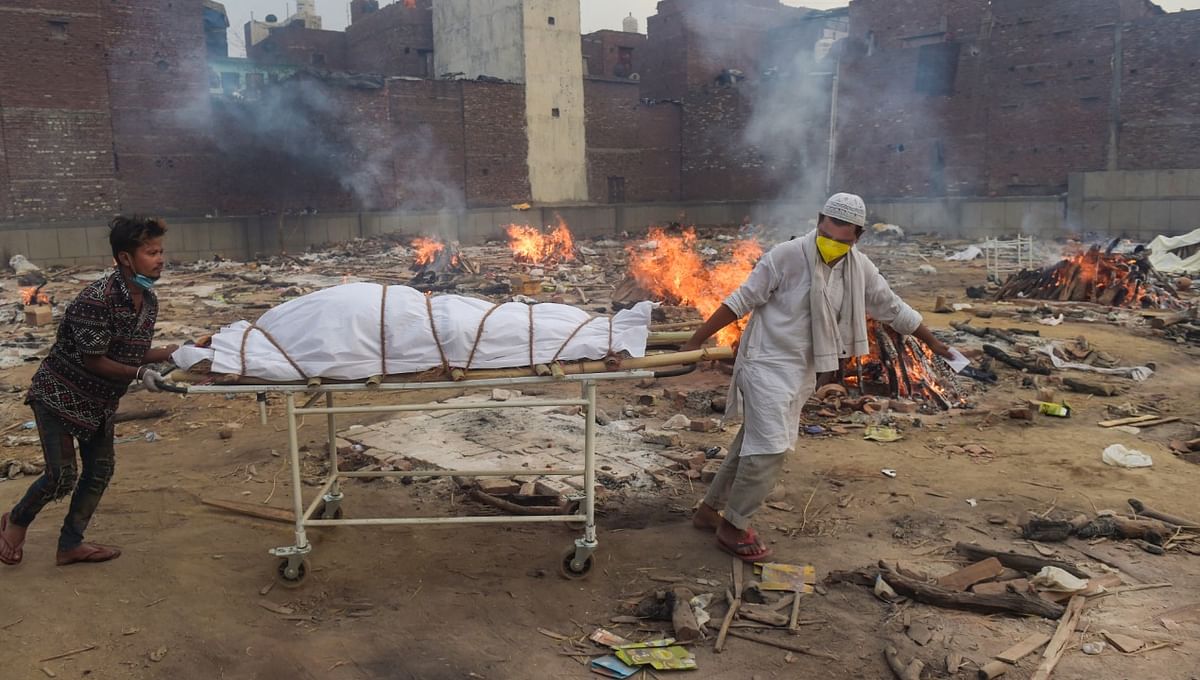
x: 738, y: 549
x: 88, y: 552
x: 17, y: 551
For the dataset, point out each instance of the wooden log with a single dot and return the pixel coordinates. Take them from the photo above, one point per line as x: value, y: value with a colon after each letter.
x: 1161, y: 322
x: 1095, y: 389
x: 683, y: 619
x: 1004, y: 357
x: 992, y: 669
x: 1026, y: 563
x: 911, y: 671
x: 516, y: 508
x: 1062, y: 636
x: 1141, y: 509
x: 1008, y: 603
x: 968, y: 328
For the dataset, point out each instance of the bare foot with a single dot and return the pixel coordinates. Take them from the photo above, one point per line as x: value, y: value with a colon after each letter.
x: 706, y: 519
x: 12, y: 538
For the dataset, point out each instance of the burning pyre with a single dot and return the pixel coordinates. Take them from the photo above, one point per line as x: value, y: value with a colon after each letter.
x: 901, y: 367
x: 671, y: 267
x: 434, y: 258
x: 533, y: 246
x: 33, y: 295
x: 1110, y: 279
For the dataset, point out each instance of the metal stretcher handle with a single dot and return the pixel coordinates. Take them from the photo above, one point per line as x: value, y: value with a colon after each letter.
x: 171, y: 387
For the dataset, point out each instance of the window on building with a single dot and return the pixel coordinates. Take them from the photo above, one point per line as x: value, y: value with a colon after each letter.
x: 318, y: 59
x: 624, y: 66
x: 58, y: 29
x: 551, y: 21
x: 554, y: 112
x: 937, y: 67
x: 616, y: 189
x: 426, y: 57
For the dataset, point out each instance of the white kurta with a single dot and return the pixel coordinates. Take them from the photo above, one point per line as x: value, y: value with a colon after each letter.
x: 774, y: 374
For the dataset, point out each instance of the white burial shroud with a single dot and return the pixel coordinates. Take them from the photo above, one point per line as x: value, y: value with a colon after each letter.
x: 337, y: 334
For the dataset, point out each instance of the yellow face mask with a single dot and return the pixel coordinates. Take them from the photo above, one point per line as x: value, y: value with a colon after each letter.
x: 830, y: 249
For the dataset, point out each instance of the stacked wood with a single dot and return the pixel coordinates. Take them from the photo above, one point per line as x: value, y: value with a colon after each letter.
x: 1094, y: 276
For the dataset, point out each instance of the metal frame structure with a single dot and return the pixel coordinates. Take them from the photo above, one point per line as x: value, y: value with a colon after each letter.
x: 325, y: 510
x: 1006, y: 257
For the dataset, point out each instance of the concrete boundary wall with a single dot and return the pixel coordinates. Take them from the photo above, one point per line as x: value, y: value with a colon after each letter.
x: 1139, y: 204
x: 85, y: 242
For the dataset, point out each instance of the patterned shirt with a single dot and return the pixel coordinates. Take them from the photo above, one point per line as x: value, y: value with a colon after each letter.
x: 101, y: 321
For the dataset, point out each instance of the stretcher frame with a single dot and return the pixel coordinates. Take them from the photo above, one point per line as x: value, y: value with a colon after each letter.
x: 325, y: 509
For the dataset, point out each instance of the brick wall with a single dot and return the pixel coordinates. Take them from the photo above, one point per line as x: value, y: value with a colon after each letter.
x: 495, y: 144
x: 1160, y: 95
x: 54, y: 111
x: 392, y: 41
x: 296, y: 45
x: 158, y: 88
x: 603, y: 50
x: 631, y: 140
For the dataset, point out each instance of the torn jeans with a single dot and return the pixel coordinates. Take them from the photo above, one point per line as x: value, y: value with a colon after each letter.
x: 62, y: 477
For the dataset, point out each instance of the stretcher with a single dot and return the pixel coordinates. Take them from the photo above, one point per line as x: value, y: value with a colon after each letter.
x: 317, y: 398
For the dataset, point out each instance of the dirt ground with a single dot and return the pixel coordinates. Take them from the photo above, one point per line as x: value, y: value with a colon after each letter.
x: 469, y: 601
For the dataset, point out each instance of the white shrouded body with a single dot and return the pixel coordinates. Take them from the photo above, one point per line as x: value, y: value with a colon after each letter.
x: 335, y: 334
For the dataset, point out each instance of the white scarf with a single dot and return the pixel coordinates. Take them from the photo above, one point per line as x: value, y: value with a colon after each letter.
x: 830, y: 330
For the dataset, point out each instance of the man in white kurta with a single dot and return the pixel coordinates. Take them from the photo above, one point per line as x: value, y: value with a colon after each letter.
x: 790, y: 338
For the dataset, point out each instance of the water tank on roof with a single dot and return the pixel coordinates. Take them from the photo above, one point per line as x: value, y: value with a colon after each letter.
x: 630, y: 24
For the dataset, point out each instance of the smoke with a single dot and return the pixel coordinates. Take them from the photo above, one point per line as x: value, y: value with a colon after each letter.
x: 304, y: 144
x: 785, y: 82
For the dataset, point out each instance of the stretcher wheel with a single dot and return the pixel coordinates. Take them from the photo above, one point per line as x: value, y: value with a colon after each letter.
x: 567, y: 568
x: 288, y: 577
x: 321, y: 512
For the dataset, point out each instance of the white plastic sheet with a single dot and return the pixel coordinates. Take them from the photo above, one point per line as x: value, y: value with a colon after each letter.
x: 335, y: 334
x: 1164, y: 260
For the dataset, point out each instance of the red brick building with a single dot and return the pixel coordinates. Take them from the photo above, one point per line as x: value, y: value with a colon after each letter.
x: 109, y: 107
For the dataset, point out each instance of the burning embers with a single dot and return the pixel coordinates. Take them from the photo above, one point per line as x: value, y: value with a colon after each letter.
x: 1114, y: 280
x: 33, y: 295
x: 433, y: 258
x: 670, y: 267
x: 533, y: 246
x: 902, y: 367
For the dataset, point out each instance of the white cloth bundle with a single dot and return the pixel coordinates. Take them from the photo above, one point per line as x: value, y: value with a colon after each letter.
x: 336, y: 334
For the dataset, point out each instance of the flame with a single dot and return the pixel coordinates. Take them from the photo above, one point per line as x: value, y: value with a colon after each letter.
x: 32, y: 296
x: 1095, y: 276
x: 529, y: 244
x: 427, y: 249
x: 674, y: 270
x: 913, y: 377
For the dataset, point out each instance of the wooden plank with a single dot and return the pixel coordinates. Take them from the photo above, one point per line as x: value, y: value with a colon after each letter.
x: 1132, y: 420
x: 1062, y: 636
x: 1024, y: 648
x: 970, y: 575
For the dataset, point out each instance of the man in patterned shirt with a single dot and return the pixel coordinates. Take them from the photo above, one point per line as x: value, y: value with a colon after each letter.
x: 103, y: 344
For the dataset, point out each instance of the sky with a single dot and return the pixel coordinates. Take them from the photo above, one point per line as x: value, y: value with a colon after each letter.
x: 596, y: 14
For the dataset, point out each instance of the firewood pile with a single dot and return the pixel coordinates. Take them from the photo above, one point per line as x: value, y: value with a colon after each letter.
x: 1096, y: 276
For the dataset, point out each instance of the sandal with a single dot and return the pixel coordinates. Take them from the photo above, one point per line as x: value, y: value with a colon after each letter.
x: 739, y: 549
x: 15, y: 552
x: 88, y: 552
